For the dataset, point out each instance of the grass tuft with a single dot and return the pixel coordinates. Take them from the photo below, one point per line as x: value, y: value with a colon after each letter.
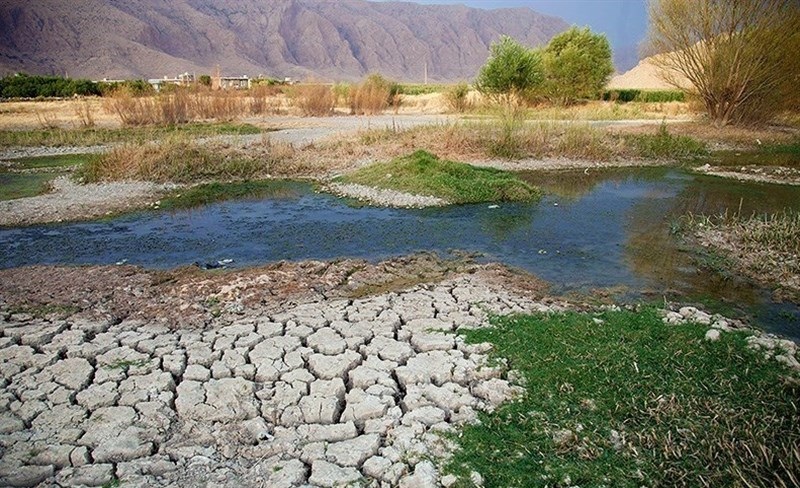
x: 422, y: 173
x: 177, y: 160
x: 632, y: 402
x: 205, y: 194
x: 95, y: 136
x: 764, y: 247
x: 664, y: 145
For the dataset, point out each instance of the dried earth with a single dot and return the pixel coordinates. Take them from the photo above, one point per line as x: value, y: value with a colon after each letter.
x: 777, y: 175
x: 305, y: 374
x: 284, y: 382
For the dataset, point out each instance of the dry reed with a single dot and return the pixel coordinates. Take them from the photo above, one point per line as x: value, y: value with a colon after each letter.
x: 314, y: 100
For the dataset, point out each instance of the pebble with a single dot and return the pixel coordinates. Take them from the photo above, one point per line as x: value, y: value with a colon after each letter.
x: 383, y: 197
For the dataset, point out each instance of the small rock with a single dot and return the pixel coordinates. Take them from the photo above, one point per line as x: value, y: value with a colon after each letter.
x: 424, y: 476
x: 327, y: 475
x: 712, y: 335
x: 26, y: 476
x: 563, y: 438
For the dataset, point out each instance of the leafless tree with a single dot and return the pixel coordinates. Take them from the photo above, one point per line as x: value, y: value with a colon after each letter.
x: 742, y: 57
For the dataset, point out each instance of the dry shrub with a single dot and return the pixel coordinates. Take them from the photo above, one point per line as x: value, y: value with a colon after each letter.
x: 46, y: 120
x: 370, y: 97
x: 457, y: 98
x: 396, y: 99
x: 84, y: 114
x: 314, y: 100
x: 222, y: 105
x: 581, y: 141
x: 178, y: 160
x: 173, y: 108
x: 264, y: 99
x: 131, y: 110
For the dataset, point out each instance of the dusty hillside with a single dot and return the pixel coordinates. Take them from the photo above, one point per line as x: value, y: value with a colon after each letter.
x: 645, y: 75
x: 342, y: 39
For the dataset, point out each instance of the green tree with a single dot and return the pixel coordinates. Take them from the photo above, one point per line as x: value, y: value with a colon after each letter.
x: 740, y: 57
x: 510, y: 72
x: 204, y: 80
x: 577, y: 65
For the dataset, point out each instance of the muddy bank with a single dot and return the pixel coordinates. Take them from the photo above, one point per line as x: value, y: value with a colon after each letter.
x: 776, y: 175
x: 772, y: 268
x: 191, y: 296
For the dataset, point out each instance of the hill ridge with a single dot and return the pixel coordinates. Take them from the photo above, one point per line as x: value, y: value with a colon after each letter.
x: 334, y: 40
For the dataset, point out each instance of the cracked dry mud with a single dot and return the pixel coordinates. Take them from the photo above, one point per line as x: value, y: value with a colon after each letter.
x: 334, y: 392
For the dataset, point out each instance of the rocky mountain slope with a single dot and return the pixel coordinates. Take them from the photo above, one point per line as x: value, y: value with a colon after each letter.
x: 342, y: 39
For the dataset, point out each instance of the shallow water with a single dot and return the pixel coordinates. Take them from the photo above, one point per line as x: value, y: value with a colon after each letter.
x: 593, y: 230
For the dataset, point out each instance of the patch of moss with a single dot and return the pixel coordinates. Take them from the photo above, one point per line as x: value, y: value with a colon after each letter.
x: 422, y: 173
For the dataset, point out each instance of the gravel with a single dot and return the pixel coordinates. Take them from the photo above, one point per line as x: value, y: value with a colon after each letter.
x: 28, y: 152
x: 71, y: 201
x: 384, y: 197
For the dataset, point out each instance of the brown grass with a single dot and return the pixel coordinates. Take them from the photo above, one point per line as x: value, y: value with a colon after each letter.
x: 180, y: 106
x: 181, y: 160
x: 315, y: 100
x: 85, y: 114
x: 370, y: 97
x: 729, y: 136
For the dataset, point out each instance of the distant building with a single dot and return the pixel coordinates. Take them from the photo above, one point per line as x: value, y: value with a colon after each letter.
x: 231, y: 82
x: 184, y: 79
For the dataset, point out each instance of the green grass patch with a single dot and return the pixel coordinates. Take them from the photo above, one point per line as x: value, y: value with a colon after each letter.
x: 785, y: 155
x: 199, y: 195
x: 422, y: 173
x: 644, y: 96
x: 93, y: 136
x: 15, y: 185
x: 420, y: 89
x: 55, y: 161
x: 632, y: 402
x: 664, y: 145
x: 786, y: 148
x: 43, y: 310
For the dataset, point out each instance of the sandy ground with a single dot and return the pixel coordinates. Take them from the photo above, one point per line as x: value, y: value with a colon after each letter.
x: 646, y: 76
x: 67, y: 113
x: 42, y: 114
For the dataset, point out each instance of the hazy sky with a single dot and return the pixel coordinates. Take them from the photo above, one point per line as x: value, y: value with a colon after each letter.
x: 623, y: 21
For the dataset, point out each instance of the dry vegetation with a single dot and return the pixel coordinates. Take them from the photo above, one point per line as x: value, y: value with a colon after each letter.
x: 314, y: 100
x: 181, y: 160
x: 486, y: 140
x: 763, y: 247
x: 181, y: 106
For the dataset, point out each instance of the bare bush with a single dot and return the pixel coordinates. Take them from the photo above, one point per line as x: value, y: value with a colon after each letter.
x: 314, y: 100
x: 457, y: 98
x: 172, y: 108
x: 83, y: 111
x: 132, y: 111
x: 740, y: 57
x: 370, y: 97
x: 46, y: 120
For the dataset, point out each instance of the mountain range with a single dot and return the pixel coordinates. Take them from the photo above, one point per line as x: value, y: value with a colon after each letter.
x: 322, y: 39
